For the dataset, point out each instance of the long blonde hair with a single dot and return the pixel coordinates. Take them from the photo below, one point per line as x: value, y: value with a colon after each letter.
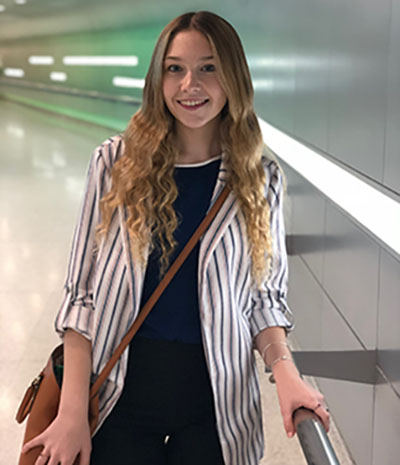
x: 142, y: 179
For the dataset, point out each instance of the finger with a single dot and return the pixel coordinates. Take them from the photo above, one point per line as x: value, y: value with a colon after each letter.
x: 35, y: 442
x: 324, y: 416
x: 43, y: 458
x: 326, y: 420
x: 85, y: 457
x: 53, y: 460
x: 56, y: 459
x: 288, y: 424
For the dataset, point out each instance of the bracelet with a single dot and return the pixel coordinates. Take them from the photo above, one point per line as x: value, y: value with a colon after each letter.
x: 282, y: 358
x: 269, y: 345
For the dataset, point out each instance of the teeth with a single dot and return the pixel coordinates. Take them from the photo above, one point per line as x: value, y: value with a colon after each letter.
x: 192, y: 103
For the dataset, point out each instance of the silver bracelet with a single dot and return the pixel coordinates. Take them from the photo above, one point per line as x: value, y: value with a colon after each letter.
x: 264, y: 351
x: 282, y: 358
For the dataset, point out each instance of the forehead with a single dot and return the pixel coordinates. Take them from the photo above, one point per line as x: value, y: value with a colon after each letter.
x: 189, y: 45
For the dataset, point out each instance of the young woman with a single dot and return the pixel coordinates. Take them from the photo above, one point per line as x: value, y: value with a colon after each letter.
x: 187, y: 391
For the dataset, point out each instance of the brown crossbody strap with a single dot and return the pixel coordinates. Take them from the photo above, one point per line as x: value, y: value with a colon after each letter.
x: 159, y: 290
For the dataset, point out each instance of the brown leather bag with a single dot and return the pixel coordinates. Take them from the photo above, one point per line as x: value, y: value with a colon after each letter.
x: 41, y: 400
x: 41, y: 403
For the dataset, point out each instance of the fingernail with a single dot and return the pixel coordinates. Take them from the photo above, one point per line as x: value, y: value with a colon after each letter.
x: 290, y: 434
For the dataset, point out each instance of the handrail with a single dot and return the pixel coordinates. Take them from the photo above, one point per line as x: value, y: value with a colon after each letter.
x: 314, y: 441
x: 70, y: 91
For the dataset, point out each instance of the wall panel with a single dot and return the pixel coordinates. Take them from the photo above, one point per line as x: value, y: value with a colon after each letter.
x: 392, y: 158
x: 351, y: 403
x: 389, y: 319
x: 357, y: 87
x: 305, y: 300
x: 307, y: 218
x: 312, y: 72
x: 351, y: 274
x: 387, y: 426
x: 272, y: 61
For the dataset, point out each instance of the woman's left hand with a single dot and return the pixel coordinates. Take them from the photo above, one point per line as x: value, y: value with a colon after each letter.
x: 293, y: 393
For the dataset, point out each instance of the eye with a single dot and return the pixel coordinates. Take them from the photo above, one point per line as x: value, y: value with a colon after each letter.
x: 173, y: 68
x: 209, y: 67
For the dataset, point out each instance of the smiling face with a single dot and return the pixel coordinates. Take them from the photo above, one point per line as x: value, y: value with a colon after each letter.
x: 191, y: 88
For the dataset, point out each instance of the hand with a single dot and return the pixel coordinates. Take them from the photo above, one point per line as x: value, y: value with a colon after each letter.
x: 62, y: 442
x: 294, y: 392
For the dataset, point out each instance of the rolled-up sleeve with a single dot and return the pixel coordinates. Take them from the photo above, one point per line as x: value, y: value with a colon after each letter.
x: 269, y: 304
x: 76, y: 311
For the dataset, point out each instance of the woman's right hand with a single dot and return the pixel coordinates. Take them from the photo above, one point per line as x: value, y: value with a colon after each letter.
x: 67, y: 437
x: 69, y: 434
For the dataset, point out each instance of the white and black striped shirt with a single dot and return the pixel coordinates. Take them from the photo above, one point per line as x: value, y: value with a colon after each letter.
x: 103, y: 291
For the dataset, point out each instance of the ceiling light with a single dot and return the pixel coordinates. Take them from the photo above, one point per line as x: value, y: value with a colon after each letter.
x: 119, y: 81
x: 58, y: 76
x: 41, y: 60
x: 14, y: 72
x: 101, y: 60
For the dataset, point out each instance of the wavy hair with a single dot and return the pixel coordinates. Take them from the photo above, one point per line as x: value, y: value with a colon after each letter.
x: 142, y: 179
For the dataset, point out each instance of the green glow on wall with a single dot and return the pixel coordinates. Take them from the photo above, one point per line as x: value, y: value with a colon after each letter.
x: 128, y: 41
x: 133, y: 40
x: 102, y: 120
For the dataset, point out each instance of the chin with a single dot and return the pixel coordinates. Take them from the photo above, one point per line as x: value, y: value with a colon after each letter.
x: 199, y: 124
x: 194, y: 125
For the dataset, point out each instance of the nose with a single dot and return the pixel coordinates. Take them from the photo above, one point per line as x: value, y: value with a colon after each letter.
x: 190, y: 82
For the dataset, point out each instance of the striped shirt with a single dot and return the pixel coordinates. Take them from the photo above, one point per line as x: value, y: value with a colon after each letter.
x: 103, y: 293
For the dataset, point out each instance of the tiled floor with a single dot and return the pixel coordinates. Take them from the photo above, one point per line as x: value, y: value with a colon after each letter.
x: 43, y: 162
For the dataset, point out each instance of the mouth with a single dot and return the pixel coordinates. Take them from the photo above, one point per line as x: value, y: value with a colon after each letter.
x: 193, y: 104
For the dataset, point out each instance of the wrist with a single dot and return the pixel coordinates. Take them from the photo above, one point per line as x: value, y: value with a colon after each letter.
x: 285, y: 369
x: 74, y: 415
x: 78, y: 408
x: 275, y: 353
x: 271, y: 350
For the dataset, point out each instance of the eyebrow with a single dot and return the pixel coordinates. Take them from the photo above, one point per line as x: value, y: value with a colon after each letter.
x: 180, y: 59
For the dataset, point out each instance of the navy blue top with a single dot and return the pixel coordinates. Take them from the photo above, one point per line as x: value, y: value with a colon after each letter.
x: 175, y: 316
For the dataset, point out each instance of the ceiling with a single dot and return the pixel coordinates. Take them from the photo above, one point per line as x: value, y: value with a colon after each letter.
x: 48, y: 17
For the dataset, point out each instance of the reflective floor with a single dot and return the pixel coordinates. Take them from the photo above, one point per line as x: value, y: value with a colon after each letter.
x: 43, y: 162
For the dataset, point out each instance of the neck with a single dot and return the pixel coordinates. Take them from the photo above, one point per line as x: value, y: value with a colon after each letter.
x: 198, y: 144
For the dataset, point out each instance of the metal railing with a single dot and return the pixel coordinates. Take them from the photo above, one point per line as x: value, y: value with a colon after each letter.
x: 71, y: 92
x: 314, y: 441
x: 348, y: 365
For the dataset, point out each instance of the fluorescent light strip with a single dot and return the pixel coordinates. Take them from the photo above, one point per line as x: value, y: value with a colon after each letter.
x: 270, y: 84
x: 256, y: 62
x: 58, y: 76
x: 263, y: 84
x: 119, y: 81
x: 374, y: 210
x: 101, y: 60
x: 41, y: 60
x: 14, y: 72
x: 304, y: 62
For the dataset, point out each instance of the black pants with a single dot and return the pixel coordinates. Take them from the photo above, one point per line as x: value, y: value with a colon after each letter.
x: 165, y: 415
